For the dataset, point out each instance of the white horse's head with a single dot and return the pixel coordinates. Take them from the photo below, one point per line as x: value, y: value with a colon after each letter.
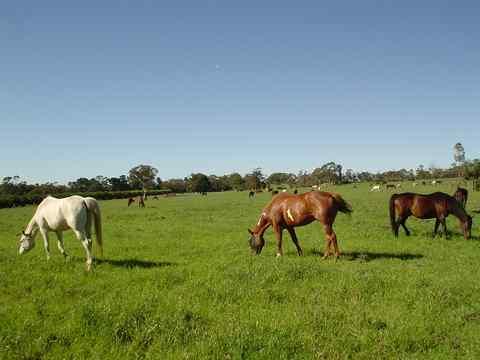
x: 27, y: 243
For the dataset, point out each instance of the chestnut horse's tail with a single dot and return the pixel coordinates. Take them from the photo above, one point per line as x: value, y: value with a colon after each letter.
x: 343, y: 206
x: 393, y: 221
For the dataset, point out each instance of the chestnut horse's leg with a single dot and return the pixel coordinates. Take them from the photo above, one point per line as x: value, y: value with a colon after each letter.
x: 291, y: 231
x: 330, y: 242
x: 278, y: 233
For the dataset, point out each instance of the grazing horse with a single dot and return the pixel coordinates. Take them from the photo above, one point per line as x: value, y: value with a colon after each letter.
x: 58, y: 215
x: 140, y: 199
x: 287, y: 211
x: 251, y: 194
x: 295, y: 191
x: 375, y: 188
x: 433, y: 206
x: 274, y: 192
x: 461, y: 195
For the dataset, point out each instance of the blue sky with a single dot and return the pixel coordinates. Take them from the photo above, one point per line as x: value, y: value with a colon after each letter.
x: 95, y: 88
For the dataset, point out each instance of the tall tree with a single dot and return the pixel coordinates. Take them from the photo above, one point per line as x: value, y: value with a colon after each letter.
x: 198, y: 183
x: 142, y: 176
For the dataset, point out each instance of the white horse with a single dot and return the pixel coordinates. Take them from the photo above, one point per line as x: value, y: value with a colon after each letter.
x: 58, y: 215
x: 375, y: 188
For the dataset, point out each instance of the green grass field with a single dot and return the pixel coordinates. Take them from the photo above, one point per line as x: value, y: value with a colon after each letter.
x: 178, y: 281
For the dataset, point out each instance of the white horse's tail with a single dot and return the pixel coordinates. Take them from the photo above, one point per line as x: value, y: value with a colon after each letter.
x: 93, y: 208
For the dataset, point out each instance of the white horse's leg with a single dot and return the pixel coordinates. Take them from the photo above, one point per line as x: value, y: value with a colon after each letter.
x: 60, y: 243
x: 45, y: 242
x: 87, y: 245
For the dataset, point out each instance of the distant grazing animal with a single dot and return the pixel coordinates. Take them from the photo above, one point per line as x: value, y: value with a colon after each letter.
x: 251, y: 194
x: 398, y: 186
x: 375, y: 188
x: 424, y: 183
x: 295, y: 191
x: 139, y: 199
x: 436, y: 182
x: 155, y: 198
x: 204, y: 193
x: 390, y: 186
x: 58, y: 215
x: 461, y: 195
x: 274, y: 192
x: 287, y: 211
x: 433, y: 206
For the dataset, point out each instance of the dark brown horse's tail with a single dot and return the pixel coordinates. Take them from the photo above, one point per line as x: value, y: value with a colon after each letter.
x: 393, y: 221
x: 343, y: 206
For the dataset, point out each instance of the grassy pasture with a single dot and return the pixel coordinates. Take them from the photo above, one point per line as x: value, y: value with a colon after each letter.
x: 177, y: 281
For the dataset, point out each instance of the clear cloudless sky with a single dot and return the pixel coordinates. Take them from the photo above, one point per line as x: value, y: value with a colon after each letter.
x: 96, y: 87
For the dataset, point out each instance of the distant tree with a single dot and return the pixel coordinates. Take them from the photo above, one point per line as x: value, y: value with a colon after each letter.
x: 255, y: 180
x: 236, y: 181
x: 119, y: 183
x: 198, y: 183
x: 142, y: 177
x: 472, y: 170
x: 175, y: 185
x: 278, y: 178
x: 458, y: 153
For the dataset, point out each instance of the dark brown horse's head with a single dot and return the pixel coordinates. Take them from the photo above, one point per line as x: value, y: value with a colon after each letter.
x: 256, y: 242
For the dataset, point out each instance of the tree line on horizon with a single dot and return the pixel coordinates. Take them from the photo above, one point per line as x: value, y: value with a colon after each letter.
x: 145, y: 178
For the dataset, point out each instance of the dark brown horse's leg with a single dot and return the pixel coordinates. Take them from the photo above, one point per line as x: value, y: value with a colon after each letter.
x: 435, y: 229
x: 278, y: 233
x: 291, y: 231
x: 444, y: 224
x: 402, y: 222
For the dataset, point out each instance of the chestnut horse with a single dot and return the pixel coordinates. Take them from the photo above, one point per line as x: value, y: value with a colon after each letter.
x: 286, y: 211
x: 433, y: 206
x: 461, y: 195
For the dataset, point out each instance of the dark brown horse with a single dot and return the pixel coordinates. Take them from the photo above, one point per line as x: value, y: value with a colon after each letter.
x: 286, y: 211
x: 433, y: 206
x: 251, y: 194
x: 461, y: 195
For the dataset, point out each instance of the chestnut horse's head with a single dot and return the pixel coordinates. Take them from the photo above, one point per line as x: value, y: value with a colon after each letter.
x: 256, y: 242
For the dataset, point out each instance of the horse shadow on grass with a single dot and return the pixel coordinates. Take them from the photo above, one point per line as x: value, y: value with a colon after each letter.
x: 128, y: 263
x: 367, y: 256
x: 135, y: 263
